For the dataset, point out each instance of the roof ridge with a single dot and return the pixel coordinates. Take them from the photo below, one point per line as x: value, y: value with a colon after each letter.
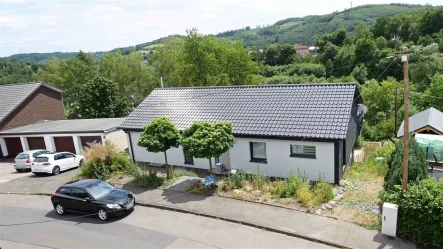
x: 259, y: 86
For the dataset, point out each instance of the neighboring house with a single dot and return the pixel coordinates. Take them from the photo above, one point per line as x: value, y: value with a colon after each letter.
x: 429, y: 121
x: 62, y: 135
x: 313, y: 50
x: 279, y: 128
x: 27, y: 103
x: 301, y: 49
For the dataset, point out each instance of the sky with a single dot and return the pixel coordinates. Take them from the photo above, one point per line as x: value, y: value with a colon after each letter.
x: 28, y: 26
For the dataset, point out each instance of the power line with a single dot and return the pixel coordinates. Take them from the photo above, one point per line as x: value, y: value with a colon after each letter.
x: 359, y: 64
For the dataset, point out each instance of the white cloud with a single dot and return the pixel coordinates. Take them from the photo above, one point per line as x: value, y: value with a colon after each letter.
x: 8, y: 22
x: 208, y: 16
x: 13, y: 1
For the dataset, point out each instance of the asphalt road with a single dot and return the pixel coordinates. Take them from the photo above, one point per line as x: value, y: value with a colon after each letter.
x: 30, y: 222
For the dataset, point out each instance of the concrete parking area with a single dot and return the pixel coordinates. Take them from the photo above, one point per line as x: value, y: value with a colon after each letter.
x: 26, y: 182
x: 8, y: 172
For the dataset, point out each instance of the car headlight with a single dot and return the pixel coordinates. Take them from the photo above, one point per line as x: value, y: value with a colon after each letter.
x: 113, y: 206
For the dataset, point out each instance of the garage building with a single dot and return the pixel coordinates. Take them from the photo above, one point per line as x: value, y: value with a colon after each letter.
x: 62, y: 135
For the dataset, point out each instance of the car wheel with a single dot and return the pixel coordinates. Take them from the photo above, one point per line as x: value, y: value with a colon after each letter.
x: 103, y: 214
x: 81, y: 163
x: 56, y: 170
x: 59, y: 209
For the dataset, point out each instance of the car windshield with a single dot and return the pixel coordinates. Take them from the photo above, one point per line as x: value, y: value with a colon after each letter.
x: 22, y: 156
x: 40, y: 159
x: 99, y: 189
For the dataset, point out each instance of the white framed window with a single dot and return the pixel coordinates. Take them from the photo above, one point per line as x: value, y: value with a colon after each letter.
x: 258, y: 152
x: 304, y: 151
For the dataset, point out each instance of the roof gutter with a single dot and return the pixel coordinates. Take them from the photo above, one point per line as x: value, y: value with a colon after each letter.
x: 48, y: 132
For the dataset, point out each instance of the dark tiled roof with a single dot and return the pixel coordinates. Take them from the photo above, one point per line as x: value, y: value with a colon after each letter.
x: 67, y: 126
x: 429, y: 117
x: 12, y: 95
x: 312, y: 111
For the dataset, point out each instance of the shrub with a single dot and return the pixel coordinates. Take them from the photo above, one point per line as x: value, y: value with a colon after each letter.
x: 304, y: 194
x: 323, y: 192
x: 417, y: 166
x: 236, y: 180
x: 102, y: 160
x: 420, y: 211
x: 145, y: 179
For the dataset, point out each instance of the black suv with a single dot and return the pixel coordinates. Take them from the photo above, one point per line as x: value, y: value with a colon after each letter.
x: 92, y: 196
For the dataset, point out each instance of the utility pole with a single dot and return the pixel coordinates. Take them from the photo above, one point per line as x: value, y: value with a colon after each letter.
x: 404, y: 59
x: 396, y: 112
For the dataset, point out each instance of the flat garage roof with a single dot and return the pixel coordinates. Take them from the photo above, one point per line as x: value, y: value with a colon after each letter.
x: 99, y: 125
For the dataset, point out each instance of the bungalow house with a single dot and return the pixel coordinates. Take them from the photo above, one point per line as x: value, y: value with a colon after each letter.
x: 278, y: 128
x: 429, y: 121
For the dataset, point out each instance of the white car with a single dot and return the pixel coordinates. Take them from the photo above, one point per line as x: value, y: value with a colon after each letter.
x: 55, y: 162
x: 24, y: 160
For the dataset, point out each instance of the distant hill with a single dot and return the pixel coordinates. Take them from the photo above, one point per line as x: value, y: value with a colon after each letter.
x: 304, y: 30
x: 291, y: 30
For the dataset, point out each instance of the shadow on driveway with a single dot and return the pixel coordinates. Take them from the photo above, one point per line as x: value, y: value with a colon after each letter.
x: 79, y: 218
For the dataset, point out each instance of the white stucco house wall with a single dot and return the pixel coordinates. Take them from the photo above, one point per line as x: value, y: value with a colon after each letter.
x: 282, y: 129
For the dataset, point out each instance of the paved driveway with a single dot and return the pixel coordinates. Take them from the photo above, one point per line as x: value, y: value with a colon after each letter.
x: 8, y: 172
x: 12, y: 181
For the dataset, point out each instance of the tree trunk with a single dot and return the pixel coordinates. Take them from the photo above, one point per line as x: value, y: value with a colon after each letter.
x: 210, y: 166
x: 167, y: 166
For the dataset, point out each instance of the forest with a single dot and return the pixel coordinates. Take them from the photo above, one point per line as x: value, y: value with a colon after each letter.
x: 368, y: 55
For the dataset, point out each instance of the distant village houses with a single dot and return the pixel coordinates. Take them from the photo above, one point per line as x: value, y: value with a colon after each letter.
x: 302, y: 49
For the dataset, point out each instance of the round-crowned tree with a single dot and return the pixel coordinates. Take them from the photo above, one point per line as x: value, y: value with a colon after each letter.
x: 207, y: 140
x: 159, y: 136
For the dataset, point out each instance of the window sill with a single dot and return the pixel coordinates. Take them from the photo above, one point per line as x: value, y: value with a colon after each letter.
x: 304, y: 156
x: 257, y: 160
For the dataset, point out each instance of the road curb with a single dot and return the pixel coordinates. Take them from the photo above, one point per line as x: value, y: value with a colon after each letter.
x: 218, y: 217
x: 246, y: 223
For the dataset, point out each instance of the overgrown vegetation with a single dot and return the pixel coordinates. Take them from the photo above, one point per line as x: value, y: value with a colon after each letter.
x: 420, y: 211
x: 146, y: 179
x: 258, y: 187
x: 103, y: 160
x: 363, y: 182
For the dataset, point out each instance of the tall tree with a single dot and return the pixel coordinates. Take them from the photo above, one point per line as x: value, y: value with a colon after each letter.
x: 159, y: 136
x: 209, y: 61
x: 99, y: 98
x: 278, y: 54
x: 206, y: 140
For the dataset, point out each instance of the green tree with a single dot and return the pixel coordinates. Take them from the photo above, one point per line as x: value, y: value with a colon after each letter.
x: 417, y: 165
x: 168, y: 61
x: 360, y: 74
x: 159, y: 136
x: 342, y: 61
x: 278, y: 54
x: 380, y: 27
x: 209, y: 61
x: 361, y: 31
x: 206, y: 140
x: 428, y: 99
x: 134, y: 78
x: 364, y: 50
x: 339, y: 37
x: 99, y: 98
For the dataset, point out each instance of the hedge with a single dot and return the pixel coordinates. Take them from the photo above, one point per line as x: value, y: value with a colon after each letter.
x: 420, y: 211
